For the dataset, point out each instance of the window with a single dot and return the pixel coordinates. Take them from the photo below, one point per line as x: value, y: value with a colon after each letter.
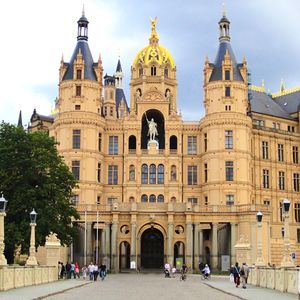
x: 229, y: 170
x: 205, y: 142
x: 152, y: 198
x: 113, y: 145
x: 229, y: 199
x: 281, y: 180
x: 291, y: 128
x: 152, y: 175
x: 77, y: 107
x: 228, y: 107
x: 78, y: 90
x: 192, y: 145
x: 298, y: 235
x: 267, y: 202
x: 111, y: 110
x: 111, y: 94
x: 228, y: 139
x: 259, y: 122
x: 76, y: 169
x: 227, y: 75
x: 99, y: 172
x: 280, y: 211
x: 144, y: 198
x: 276, y: 125
x: 193, y: 200
x: 76, y: 139
x: 265, y: 150
x: 160, y: 174
x: 227, y: 91
x: 140, y: 72
x: 144, y: 174
x: 166, y: 73
x: 105, y: 111
x: 79, y: 74
x: 295, y: 155
x: 265, y: 179
x: 111, y: 200
x: 192, y: 175
x: 75, y: 199
x: 296, y: 182
x: 280, y: 152
x: 99, y: 142
x: 112, y: 174
x: 297, y: 212
x: 205, y: 173
x: 160, y: 198
x: 205, y: 200
x: 153, y: 71
x: 98, y: 201
x: 132, y: 143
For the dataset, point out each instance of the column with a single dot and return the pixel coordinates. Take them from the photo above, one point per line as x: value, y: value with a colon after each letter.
x: 232, y: 243
x: 201, y: 245
x: 107, y: 245
x: 133, y: 243
x: 214, y: 248
x: 189, y: 245
x: 89, y: 243
x: 103, y: 246
x: 114, y: 238
x: 196, y: 246
x: 170, y: 256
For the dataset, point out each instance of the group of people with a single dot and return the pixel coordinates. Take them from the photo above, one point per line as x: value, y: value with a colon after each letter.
x: 172, y: 271
x: 71, y: 270
x: 240, y: 274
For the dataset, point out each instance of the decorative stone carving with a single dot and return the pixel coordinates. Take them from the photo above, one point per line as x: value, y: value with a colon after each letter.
x: 153, y: 96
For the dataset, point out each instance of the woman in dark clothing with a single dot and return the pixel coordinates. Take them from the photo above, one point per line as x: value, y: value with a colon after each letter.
x: 236, y: 274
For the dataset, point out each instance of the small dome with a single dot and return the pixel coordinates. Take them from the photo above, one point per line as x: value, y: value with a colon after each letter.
x: 154, y: 53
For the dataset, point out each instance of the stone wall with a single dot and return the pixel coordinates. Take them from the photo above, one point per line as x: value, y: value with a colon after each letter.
x: 15, y: 277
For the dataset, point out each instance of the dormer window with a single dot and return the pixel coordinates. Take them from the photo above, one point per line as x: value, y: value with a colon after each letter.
x: 79, y: 74
x: 227, y: 75
x: 140, y: 72
x: 166, y: 73
x: 153, y: 71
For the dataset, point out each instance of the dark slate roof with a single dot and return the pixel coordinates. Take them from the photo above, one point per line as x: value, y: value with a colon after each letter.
x: 290, y: 102
x: 217, y: 71
x: 264, y: 104
x: 89, y: 72
x: 119, y: 67
x: 119, y: 95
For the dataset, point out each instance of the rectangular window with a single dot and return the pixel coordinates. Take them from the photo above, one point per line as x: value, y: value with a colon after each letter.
x: 99, y: 172
x: 229, y: 199
x: 76, y: 139
x: 276, y: 125
x: 192, y: 175
x: 205, y: 173
x: 192, y: 145
x: 297, y: 212
x: 193, y: 200
x: 111, y: 111
x: 78, y: 90
x: 99, y: 142
x: 228, y: 139
x: 296, y: 182
x: 111, y: 200
x: 229, y: 170
x: 280, y: 152
x: 280, y: 211
x: 227, y: 75
x: 77, y: 107
x: 295, y: 155
x: 113, y: 145
x: 266, y: 179
x: 205, y: 142
x: 205, y: 200
x: 98, y: 199
x: 76, y: 169
x: 267, y: 202
x: 79, y: 74
x: 112, y: 174
x: 258, y: 122
x: 75, y: 199
x: 291, y: 128
x: 153, y: 71
x: 298, y: 235
x: 265, y: 150
x: 281, y: 180
x: 227, y: 91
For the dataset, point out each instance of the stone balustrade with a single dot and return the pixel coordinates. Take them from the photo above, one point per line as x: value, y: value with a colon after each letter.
x: 17, y: 276
x: 281, y: 279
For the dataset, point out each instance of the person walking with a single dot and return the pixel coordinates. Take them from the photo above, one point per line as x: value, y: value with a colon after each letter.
x: 68, y: 270
x: 84, y: 271
x: 63, y: 271
x: 247, y: 271
x: 59, y: 269
x: 73, y: 270
x: 236, y: 274
x: 96, y: 272
x: 103, y: 271
x: 77, y: 270
x: 91, y: 271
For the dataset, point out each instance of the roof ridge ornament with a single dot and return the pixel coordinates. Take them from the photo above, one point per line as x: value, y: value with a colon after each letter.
x: 224, y: 9
x: 83, y: 12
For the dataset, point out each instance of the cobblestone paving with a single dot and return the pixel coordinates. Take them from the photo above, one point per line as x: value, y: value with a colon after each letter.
x: 144, y: 287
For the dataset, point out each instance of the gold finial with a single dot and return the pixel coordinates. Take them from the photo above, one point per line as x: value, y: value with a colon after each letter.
x: 153, y: 24
x: 154, y: 36
x: 282, y: 86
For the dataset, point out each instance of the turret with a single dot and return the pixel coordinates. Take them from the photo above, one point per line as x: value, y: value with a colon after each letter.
x: 109, y: 104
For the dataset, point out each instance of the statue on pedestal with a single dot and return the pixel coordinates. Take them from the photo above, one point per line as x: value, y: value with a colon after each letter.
x: 152, y: 128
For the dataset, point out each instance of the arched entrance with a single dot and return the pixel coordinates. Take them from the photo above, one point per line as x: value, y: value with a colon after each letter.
x: 152, y: 249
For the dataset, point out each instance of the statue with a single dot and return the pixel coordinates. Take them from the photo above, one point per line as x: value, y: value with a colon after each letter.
x: 152, y: 128
x: 131, y: 173
x: 173, y: 173
x: 153, y: 24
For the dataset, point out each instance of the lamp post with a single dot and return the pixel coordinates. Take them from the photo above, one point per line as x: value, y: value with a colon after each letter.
x: 287, y: 259
x: 31, y: 261
x: 259, y: 255
x: 3, y: 203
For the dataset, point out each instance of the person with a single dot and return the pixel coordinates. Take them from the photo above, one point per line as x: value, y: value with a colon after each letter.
x: 68, y: 270
x: 76, y: 274
x: 244, y: 272
x: 59, y: 269
x: 206, y: 271
x: 236, y: 274
x: 173, y: 272
x: 95, y: 272
x: 73, y: 270
x: 91, y: 270
x: 183, y: 272
x: 201, y: 267
x: 102, y: 271
x: 167, y: 270
x: 63, y: 270
x: 152, y: 128
x: 84, y: 271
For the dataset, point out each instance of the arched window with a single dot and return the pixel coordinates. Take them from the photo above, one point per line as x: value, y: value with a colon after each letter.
x: 144, y: 198
x: 140, y: 71
x: 160, y: 198
x: 144, y: 174
x: 160, y: 174
x: 166, y: 72
x: 173, y: 199
x: 152, y: 179
x: 131, y: 199
x: 153, y: 71
x: 173, y: 143
x: 132, y: 142
x: 152, y: 198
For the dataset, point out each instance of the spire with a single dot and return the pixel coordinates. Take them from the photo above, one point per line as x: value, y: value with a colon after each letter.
x: 153, y: 39
x: 224, y: 26
x: 119, y: 67
x: 83, y: 22
x: 20, y: 123
x: 119, y: 75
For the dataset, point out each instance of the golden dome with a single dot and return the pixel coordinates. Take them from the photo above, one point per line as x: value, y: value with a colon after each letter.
x: 154, y: 53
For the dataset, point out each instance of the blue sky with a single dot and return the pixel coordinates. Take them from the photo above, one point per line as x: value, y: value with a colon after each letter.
x: 35, y: 36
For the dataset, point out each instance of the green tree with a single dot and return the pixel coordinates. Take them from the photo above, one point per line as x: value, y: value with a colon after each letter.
x: 33, y: 175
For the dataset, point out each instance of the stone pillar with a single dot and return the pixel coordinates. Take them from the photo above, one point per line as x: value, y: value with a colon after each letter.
x: 89, y: 243
x: 201, y: 245
x: 214, y: 248
x: 52, y: 246
x: 114, y: 252
x: 103, y: 246
x: 133, y: 243
x: 170, y: 257
x: 196, y: 246
x: 189, y: 245
x: 107, y: 245
x: 233, y: 243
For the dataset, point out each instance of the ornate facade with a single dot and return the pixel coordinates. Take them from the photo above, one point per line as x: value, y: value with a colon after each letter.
x: 191, y: 192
